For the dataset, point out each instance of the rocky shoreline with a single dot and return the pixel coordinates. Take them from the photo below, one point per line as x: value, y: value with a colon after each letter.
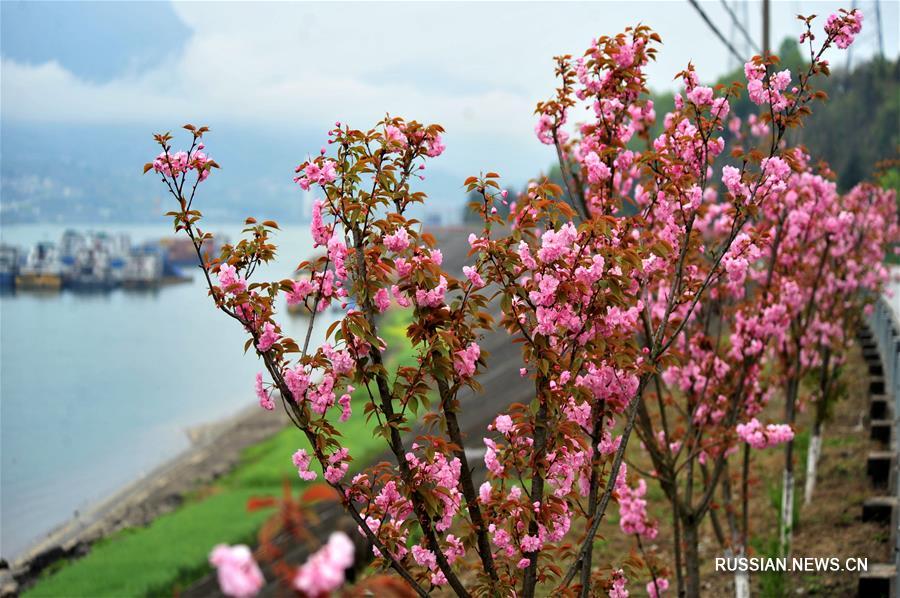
x: 215, y: 450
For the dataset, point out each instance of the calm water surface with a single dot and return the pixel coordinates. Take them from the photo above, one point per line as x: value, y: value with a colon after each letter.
x: 97, y: 390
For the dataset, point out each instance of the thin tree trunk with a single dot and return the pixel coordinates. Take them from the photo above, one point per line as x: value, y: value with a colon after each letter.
x: 587, y: 565
x: 741, y: 580
x: 736, y: 550
x: 676, y: 523
x: 466, y: 483
x: 815, y: 443
x: 787, y: 482
x: 812, y: 461
x: 691, y: 557
x: 745, y: 496
x: 529, y: 580
x: 787, y: 507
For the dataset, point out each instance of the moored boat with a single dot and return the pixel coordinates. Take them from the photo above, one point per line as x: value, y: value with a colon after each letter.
x: 143, y: 269
x: 9, y: 266
x: 42, y: 270
x: 91, y: 270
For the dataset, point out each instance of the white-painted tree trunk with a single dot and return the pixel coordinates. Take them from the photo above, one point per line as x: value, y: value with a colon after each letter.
x: 812, y: 464
x: 741, y: 584
x: 741, y: 578
x: 787, y: 513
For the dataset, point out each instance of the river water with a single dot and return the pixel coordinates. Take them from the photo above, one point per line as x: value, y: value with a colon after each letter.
x: 97, y: 390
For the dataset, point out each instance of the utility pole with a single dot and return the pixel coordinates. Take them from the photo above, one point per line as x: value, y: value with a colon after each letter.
x: 878, y: 24
x: 732, y: 35
x: 765, y: 25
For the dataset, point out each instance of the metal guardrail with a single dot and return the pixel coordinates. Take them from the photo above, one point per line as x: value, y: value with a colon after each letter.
x: 884, y: 323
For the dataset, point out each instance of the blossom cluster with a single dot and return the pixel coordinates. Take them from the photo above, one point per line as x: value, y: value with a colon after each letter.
x: 180, y: 163
x: 239, y: 575
x: 324, y: 571
x: 633, y: 511
x: 759, y: 437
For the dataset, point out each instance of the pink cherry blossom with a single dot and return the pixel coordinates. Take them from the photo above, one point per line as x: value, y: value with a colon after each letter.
x: 297, y: 381
x: 701, y: 96
x: 394, y: 135
x: 844, y: 27
x: 758, y: 437
x: 397, y: 241
x: 382, y: 300
x: 265, y: 399
x: 633, y: 511
x: 484, y: 492
x: 656, y: 588
x: 597, y: 170
x: 435, y: 147
x: 344, y: 402
x: 230, y: 280
x: 268, y: 338
x: 301, y: 460
x: 320, y: 232
x: 432, y: 297
x: 490, y: 458
x: 337, y: 466
x: 301, y: 290
x: 171, y: 165
x: 237, y: 572
x: 464, y: 360
x: 473, y: 276
x: 325, y: 570
x: 618, y: 585
x: 503, y: 424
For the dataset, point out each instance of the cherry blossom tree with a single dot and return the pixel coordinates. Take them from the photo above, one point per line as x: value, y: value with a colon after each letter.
x: 862, y: 230
x: 614, y: 285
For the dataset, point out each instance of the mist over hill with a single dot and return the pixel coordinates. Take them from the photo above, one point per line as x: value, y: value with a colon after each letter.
x: 89, y: 174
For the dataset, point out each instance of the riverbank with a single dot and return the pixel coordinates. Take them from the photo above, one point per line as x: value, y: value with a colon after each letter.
x: 172, y: 551
x: 215, y: 450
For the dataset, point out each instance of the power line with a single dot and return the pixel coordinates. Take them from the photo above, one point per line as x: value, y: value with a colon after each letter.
x: 745, y: 18
x: 715, y: 29
x: 737, y: 23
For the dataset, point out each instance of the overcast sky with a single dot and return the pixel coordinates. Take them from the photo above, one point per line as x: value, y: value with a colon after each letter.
x: 476, y: 68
